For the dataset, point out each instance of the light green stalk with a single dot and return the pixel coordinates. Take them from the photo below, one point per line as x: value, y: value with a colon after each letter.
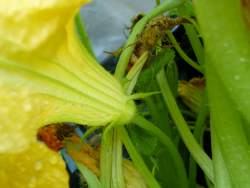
x: 227, y: 62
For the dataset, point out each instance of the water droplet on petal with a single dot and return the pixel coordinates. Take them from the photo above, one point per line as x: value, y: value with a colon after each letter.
x: 53, y: 160
x: 38, y: 165
x: 27, y: 107
x: 32, y: 182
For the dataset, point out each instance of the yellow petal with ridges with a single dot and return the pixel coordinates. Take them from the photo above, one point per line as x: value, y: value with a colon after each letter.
x: 39, y: 86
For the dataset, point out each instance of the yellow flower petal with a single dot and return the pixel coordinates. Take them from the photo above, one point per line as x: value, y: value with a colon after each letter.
x: 64, y: 85
x: 36, y: 167
x: 26, y: 25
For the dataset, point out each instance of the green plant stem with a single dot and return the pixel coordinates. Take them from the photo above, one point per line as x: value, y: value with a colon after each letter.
x: 137, y: 159
x: 166, y: 141
x: 193, y: 33
x: 138, y: 28
x: 194, y: 148
x: 90, y: 177
x: 111, y: 158
x: 227, y: 64
x: 117, y: 160
x: 90, y: 131
x: 227, y: 124
x: 106, y: 157
x: 195, y: 43
x: 199, y: 128
x: 182, y: 53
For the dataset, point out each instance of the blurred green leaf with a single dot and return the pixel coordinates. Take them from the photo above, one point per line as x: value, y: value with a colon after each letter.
x: 143, y: 141
x: 146, y: 79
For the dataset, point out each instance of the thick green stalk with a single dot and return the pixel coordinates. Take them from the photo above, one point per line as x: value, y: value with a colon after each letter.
x: 194, y: 148
x: 227, y: 123
x: 227, y: 56
x: 138, y: 28
x: 170, y: 147
x: 227, y: 45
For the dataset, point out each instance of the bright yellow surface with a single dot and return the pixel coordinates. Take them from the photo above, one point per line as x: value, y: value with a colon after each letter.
x: 36, y: 167
x: 27, y: 25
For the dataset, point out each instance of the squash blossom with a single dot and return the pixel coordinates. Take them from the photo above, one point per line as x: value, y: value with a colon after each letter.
x: 47, y: 76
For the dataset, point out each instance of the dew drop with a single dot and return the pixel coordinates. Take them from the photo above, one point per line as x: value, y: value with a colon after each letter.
x: 53, y: 160
x: 237, y: 77
x: 27, y: 107
x: 226, y: 44
x: 13, y: 94
x: 242, y: 60
x: 32, y: 182
x: 4, y: 110
x: 38, y: 165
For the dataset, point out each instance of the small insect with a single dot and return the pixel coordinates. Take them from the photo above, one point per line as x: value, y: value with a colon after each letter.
x: 54, y: 135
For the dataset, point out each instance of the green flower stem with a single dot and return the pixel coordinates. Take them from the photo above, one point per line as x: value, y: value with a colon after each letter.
x: 137, y: 159
x: 117, y: 161
x: 106, y: 157
x: 182, y: 53
x: 199, y: 128
x: 166, y: 141
x: 138, y: 28
x: 111, y: 158
x: 194, y: 148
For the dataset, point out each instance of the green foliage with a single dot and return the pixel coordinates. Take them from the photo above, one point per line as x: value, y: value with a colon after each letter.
x: 73, y: 87
x: 146, y: 81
